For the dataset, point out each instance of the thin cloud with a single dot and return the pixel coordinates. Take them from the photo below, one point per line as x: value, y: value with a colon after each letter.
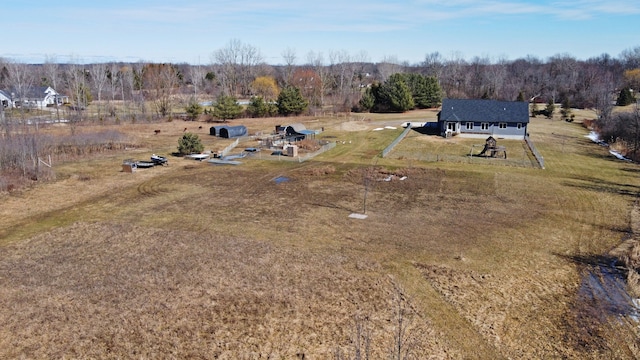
x: 564, y: 10
x: 334, y: 16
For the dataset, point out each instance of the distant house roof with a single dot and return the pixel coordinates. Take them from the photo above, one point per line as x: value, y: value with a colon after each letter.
x: 40, y: 92
x: 478, y: 110
x: 35, y: 92
x: 4, y: 95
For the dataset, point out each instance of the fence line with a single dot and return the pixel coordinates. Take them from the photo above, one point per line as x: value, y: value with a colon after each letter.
x: 534, y: 151
x: 395, y: 142
x: 299, y: 158
x: 324, y: 148
x: 230, y: 147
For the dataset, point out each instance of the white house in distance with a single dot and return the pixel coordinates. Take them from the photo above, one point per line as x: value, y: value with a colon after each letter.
x: 37, y: 97
x: 5, y: 99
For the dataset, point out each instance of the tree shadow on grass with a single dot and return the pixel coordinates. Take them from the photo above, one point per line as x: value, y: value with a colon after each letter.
x: 602, y: 186
x: 633, y: 170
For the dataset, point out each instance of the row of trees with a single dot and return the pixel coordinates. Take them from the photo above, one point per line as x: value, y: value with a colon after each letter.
x: 289, y: 102
x: 402, y: 92
x: 332, y: 83
x: 622, y: 129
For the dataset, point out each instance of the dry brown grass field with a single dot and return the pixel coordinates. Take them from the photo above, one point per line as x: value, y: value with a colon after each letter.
x: 462, y: 260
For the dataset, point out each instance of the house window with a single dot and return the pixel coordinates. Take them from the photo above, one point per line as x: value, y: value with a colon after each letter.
x: 485, y: 126
x: 519, y: 126
x: 469, y: 125
x: 502, y: 125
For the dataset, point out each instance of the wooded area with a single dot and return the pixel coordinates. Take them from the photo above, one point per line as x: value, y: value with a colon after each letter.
x: 334, y: 83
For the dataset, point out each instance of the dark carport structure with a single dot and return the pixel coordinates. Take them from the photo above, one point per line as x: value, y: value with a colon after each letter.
x: 215, y: 130
x: 233, y: 131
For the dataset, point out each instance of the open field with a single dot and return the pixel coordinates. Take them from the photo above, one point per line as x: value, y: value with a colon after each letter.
x: 466, y: 260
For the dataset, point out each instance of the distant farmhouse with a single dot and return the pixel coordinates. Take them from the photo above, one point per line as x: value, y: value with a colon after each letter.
x: 36, y: 98
x: 5, y: 99
x: 483, y: 118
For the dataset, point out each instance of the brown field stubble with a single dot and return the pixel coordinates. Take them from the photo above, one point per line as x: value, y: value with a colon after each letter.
x: 194, y: 260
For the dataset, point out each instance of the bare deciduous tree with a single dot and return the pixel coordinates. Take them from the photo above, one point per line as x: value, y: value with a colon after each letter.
x: 197, y: 74
x: 388, y: 66
x: 76, y: 79
x: 99, y: 80
x: 403, y: 339
x: 344, y: 73
x: 237, y: 63
x: 160, y: 81
x: 360, y: 341
x: 289, y: 57
x: 316, y: 62
x: 52, y: 73
x: 20, y: 79
x: 433, y: 64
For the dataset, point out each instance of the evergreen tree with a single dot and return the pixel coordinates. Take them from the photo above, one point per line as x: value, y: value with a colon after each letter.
x: 520, y: 96
x: 565, y: 110
x: 290, y: 101
x: 550, y: 109
x: 394, y: 95
x: 193, y: 110
x: 190, y: 144
x: 367, y: 101
x: 227, y: 107
x: 258, y: 107
x: 534, y: 109
x: 425, y: 90
x: 625, y: 97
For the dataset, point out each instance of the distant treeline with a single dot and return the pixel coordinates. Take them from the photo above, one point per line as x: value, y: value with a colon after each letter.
x: 335, y: 82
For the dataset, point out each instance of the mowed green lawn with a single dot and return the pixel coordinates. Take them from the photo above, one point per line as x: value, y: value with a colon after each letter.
x: 466, y: 257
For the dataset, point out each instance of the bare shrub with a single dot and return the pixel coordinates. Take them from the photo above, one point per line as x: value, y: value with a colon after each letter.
x: 404, y: 341
x: 26, y: 156
x: 309, y: 145
x: 84, y: 177
x: 633, y: 282
x: 320, y: 170
x: 629, y: 254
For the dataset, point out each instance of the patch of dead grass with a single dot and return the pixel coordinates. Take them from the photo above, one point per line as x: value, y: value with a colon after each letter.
x: 193, y: 260
x: 114, y: 290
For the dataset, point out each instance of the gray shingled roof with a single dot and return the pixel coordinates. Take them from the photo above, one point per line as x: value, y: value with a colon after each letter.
x: 484, y: 110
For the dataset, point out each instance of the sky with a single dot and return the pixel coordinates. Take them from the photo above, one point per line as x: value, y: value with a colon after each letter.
x: 190, y: 31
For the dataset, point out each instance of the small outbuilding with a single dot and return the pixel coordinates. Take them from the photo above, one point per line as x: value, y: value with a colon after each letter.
x: 297, y: 132
x: 5, y: 99
x: 215, y: 130
x: 233, y: 131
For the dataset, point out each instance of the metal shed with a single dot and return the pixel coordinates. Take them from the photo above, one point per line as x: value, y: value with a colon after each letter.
x: 215, y: 130
x: 233, y: 131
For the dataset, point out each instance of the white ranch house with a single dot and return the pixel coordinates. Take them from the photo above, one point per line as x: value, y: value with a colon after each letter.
x: 36, y: 97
